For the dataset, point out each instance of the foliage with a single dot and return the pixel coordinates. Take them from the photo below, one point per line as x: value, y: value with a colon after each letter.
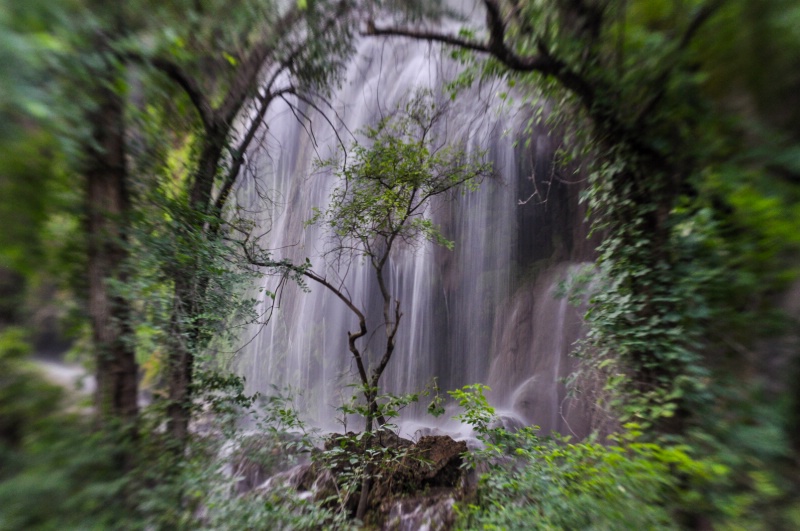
x: 560, y: 485
x: 201, y: 490
x: 54, y: 471
x: 164, y: 244
x: 81, y: 49
x: 60, y: 471
x: 387, y: 184
x: 24, y: 397
x: 477, y: 411
x: 389, y: 406
x: 220, y: 69
x: 532, y: 482
x: 64, y: 475
x: 375, y: 456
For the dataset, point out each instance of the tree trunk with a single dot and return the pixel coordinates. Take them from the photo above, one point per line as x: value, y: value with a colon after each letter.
x: 106, y: 207
x: 366, y: 482
x: 180, y: 365
x: 191, y: 284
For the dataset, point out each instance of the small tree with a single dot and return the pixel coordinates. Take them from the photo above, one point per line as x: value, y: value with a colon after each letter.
x: 382, y: 200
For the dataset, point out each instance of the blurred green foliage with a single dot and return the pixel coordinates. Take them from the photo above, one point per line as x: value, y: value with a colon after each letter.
x: 527, y: 481
x: 24, y: 397
x: 54, y: 471
x: 57, y: 471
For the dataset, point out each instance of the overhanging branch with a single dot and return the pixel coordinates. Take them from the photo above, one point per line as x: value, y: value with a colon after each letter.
x: 543, y: 62
x: 186, y: 82
x: 238, y: 154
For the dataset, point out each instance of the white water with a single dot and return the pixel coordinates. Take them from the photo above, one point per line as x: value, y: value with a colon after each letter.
x: 467, y: 316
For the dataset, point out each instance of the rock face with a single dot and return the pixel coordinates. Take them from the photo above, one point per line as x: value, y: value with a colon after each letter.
x: 261, y: 461
x: 432, y: 512
x: 430, y: 480
x: 535, y: 321
x: 415, y: 485
x: 435, y: 461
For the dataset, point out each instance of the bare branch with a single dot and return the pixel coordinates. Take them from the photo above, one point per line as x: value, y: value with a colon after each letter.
x: 238, y: 154
x: 250, y: 67
x: 351, y: 336
x: 308, y: 273
x: 432, y: 36
x: 543, y: 62
x: 390, y: 343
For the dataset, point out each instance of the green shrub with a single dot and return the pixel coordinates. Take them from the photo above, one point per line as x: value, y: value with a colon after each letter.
x: 550, y: 483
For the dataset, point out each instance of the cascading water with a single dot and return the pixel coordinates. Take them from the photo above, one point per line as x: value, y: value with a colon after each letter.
x: 474, y: 314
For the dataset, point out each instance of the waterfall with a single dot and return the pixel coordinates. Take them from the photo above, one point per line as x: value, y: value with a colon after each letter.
x: 484, y: 312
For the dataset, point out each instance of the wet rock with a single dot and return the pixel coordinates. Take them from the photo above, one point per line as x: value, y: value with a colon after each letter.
x: 256, y: 458
x: 413, y: 494
x: 436, y: 461
x: 426, y: 431
x: 509, y: 422
x: 433, y: 512
x: 324, y: 487
x: 414, y: 485
x: 293, y: 478
x: 350, y: 441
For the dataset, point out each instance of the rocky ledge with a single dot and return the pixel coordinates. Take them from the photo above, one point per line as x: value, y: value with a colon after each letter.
x: 414, y: 487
